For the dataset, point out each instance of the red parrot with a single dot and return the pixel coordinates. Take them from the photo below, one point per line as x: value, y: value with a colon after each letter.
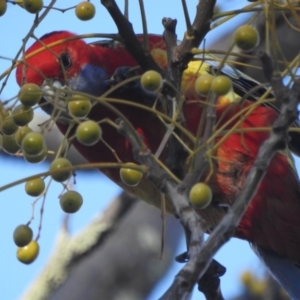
x: 271, y: 222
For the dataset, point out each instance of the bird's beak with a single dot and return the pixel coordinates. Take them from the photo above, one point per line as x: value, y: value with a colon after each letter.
x: 54, y: 101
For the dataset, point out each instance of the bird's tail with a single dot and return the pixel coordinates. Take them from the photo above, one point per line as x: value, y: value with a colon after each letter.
x: 284, y: 270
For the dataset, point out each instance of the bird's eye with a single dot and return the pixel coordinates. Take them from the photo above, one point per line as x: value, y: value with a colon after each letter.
x: 66, y: 60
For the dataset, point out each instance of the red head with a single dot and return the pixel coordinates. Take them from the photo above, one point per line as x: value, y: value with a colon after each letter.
x: 52, y: 61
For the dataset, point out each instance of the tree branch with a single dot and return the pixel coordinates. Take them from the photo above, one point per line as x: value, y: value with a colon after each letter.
x: 132, y: 45
x: 198, y: 264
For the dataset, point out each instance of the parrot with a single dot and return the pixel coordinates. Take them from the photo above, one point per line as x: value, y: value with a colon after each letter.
x: 270, y: 223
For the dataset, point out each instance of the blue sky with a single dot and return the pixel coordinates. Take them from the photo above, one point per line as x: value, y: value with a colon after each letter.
x: 16, y: 205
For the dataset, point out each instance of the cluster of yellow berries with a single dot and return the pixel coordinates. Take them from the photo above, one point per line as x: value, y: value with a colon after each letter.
x: 28, y: 249
x: 17, y: 137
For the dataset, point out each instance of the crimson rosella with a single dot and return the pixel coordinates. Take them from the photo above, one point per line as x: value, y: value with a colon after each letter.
x: 271, y: 222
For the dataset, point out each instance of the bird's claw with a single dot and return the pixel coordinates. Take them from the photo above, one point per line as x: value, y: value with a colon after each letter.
x: 183, y: 257
x: 123, y: 73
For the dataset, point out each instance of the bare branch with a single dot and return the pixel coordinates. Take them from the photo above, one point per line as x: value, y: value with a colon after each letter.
x: 133, y: 46
x: 201, y: 26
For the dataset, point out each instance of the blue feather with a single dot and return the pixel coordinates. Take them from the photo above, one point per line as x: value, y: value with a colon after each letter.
x: 91, y: 79
x: 284, y: 270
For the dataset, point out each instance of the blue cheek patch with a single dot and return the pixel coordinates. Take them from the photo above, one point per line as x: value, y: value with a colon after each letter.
x: 91, y: 80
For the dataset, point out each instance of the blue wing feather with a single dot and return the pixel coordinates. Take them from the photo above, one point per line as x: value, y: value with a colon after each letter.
x: 284, y: 270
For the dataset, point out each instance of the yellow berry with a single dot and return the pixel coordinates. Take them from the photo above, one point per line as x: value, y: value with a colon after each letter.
x: 246, y: 37
x: 130, y: 176
x: 8, y: 126
x: 221, y: 85
x: 33, y: 6
x: 3, y: 7
x: 88, y: 133
x: 29, y: 253
x: 21, y: 133
x: 36, y: 158
x: 203, y: 84
x: 30, y: 94
x: 35, y: 187
x: 22, y: 115
x: 70, y: 202
x: 151, y: 81
x: 59, y: 164
x: 79, y: 106
x: 9, y: 144
x: 85, y: 11
x: 200, y: 195
x: 33, y: 144
x: 22, y: 235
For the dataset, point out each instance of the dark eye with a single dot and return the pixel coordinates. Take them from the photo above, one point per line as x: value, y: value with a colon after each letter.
x: 66, y: 60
